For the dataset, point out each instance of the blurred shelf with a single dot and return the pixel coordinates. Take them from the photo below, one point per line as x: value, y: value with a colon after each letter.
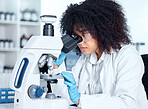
x: 14, y: 29
x: 8, y: 49
x: 22, y: 23
x: 8, y: 22
x: 27, y: 23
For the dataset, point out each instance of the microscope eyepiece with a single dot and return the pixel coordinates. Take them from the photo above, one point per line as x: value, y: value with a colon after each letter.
x: 70, y: 43
x: 78, y: 39
x: 48, y: 29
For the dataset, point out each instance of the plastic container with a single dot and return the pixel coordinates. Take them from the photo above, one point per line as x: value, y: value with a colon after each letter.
x: 6, y: 95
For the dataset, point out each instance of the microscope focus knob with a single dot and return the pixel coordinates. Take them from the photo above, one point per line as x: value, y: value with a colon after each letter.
x: 35, y: 92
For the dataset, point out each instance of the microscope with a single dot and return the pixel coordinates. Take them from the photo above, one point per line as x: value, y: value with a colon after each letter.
x: 35, y: 64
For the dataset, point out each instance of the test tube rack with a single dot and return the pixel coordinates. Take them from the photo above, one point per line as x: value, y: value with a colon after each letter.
x: 6, y: 95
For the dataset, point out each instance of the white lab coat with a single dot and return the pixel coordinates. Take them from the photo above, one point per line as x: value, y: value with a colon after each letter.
x: 120, y: 79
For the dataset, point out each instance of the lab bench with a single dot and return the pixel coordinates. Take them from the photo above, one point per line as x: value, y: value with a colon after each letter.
x: 6, y: 106
x: 10, y: 106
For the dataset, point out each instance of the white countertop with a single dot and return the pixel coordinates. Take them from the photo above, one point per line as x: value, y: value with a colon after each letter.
x: 6, y: 106
x: 10, y: 106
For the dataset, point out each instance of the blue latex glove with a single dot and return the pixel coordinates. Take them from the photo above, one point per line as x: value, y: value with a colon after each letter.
x: 72, y: 87
x: 60, y: 59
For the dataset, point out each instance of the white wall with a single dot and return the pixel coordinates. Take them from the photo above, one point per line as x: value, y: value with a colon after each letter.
x: 136, y: 12
x: 137, y: 16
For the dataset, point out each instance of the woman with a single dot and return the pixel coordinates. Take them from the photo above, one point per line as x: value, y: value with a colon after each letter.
x: 109, y: 71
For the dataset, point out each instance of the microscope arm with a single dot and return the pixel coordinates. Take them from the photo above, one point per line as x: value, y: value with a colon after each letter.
x: 21, y: 70
x: 26, y: 68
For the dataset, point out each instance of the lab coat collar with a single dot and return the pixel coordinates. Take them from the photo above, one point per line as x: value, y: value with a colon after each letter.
x: 93, y: 58
x: 112, y: 51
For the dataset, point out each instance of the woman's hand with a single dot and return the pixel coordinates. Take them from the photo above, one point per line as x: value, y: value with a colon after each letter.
x: 72, y: 87
x: 60, y: 60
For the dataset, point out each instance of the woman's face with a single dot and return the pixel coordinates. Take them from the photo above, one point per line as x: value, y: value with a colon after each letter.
x: 89, y: 44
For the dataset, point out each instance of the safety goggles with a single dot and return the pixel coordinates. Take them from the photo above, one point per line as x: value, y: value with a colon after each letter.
x: 85, y: 36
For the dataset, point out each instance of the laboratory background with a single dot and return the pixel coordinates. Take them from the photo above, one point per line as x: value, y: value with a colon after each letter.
x: 20, y: 20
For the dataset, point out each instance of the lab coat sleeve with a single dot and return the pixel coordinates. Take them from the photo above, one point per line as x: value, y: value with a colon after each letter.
x: 128, y: 82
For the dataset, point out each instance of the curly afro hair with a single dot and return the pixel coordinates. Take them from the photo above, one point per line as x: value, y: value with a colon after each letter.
x: 102, y: 18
